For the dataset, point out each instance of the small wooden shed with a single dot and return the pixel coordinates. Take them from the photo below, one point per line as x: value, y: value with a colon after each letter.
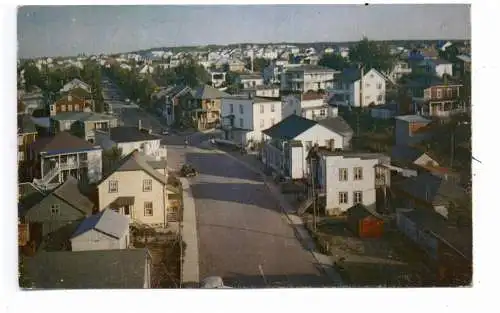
x: 364, y: 223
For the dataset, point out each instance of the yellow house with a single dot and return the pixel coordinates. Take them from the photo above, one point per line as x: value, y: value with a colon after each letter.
x: 138, y: 188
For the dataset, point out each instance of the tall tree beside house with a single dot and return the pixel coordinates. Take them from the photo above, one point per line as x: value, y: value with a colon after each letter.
x: 32, y: 77
x: 372, y: 54
x: 111, y: 157
x: 259, y: 64
x: 334, y: 61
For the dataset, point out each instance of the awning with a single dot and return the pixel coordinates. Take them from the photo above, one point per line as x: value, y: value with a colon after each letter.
x: 121, y: 202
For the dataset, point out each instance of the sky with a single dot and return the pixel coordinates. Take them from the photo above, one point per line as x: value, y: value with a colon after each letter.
x: 70, y: 30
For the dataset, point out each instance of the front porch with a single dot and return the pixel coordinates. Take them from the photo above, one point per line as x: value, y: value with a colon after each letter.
x: 443, y: 109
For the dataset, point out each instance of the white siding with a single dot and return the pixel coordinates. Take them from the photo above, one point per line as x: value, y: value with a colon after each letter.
x: 94, y: 240
x: 95, y: 165
x: 442, y: 69
x: 130, y: 185
x: 149, y: 146
x: 371, y: 93
x: 320, y: 134
x: 333, y: 185
x: 298, y: 169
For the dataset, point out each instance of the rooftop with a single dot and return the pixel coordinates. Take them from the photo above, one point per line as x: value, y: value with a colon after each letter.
x: 82, y: 116
x: 104, y: 269
x: 130, y: 134
x: 412, y: 119
x: 107, y: 222
x: 310, y: 68
x: 60, y: 143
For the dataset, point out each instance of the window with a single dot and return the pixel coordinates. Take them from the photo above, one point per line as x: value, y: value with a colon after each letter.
x: 379, y: 86
x: 272, y: 107
x: 261, y: 108
x: 448, y: 92
x: 54, y: 209
x: 231, y: 108
x: 262, y: 123
x: 343, y: 198
x: 379, y: 98
x: 358, y: 173
x: 70, y: 107
x: 241, y: 123
x: 113, y: 186
x: 342, y: 174
x: 148, y: 208
x: 322, y: 113
x: 147, y: 185
x: 358, y: 197
x: 309, y: 145
x: 241, y: 108
x: 63, y: 108
x: 67, y: 125
x: 438, y: 93
x: 77, y: 107
x: 20, y: 156
x: 272, y: 121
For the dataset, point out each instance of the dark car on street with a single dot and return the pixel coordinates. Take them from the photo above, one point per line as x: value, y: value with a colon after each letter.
x: 188, y: 171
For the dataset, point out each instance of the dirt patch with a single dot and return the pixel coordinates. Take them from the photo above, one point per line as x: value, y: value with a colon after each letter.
x: 165, y: 249
x: 370, y: 262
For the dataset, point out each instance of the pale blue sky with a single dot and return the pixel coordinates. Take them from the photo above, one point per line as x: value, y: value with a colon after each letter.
x: 69, y: 30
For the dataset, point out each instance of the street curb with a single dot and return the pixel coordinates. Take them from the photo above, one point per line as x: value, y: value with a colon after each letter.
x: 304, y: 239
x: 190, y: 266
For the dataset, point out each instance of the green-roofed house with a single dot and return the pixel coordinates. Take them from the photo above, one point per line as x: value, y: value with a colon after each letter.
x: 293, y: 137
x: 82, y: 124
x: 203, y: 111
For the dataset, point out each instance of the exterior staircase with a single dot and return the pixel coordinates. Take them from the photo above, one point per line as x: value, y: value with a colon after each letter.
x: 43, y: 183
x: 306, y: 204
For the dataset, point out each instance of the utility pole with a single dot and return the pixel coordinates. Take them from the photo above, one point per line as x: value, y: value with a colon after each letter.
x: 313, y: 194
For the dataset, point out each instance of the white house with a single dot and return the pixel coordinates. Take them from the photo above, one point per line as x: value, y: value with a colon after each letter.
x: 130, y: 138
x: 400, y: 69
x: 304, y: 78
x: 310, y: 105
x: 125, y: 67
x: 106, y: 230
x: 437, y: 67
x: 245, y: 117
x: 348, y: 178
x: 263, y: 91
x: 251, y: 80
x: 355, y: 89
x: 138, y: 188
x: 218, y: 79
x: 292, y: 138
x: 65, y: 155
x: 75, y: 83
x: 146, y: 69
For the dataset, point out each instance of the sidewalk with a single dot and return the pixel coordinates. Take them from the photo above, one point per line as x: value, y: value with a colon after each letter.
x: 324, y: 261
x: 190, y: 271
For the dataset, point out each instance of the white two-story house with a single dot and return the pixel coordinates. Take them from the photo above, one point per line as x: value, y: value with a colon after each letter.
x: 357, y: 90
x: 55, y: 158
x: 310, y: 105
x: 349, y: 178
x: 138, y: 188
x: 251, y: 80
x: 291, y: 139
x: 129, y: 138
x: 305, y: 77
x: 244, y: 117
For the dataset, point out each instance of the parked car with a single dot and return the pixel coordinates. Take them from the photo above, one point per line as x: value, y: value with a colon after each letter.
x: 188, y: 171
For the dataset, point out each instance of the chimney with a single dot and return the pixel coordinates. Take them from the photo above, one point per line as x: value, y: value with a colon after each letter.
x: 140, y: 124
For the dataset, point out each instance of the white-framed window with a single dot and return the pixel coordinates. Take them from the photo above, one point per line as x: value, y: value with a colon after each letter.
x: 70, y: 107
x: 113, y: 186
x: 322, y: 112
x: 262, y: 123
x: 273, y: 121
x: 20, y: 155
x: 241, y: 108
x: 147, y: 185
x: 148, y: 208
x: 63, y: 108
x: 261, y: 108
x: 358, y: 173
x: 438, y: 93
x: 357, y: 197
x: 241, y: 123
x: 379, y: 98
x: 379, y: 85
x: 77, y: 107
x: 343, y: 197
x: 272, y: 107
x: 231, y: 108
x: 54, y: 209
x: 448, y: 92
x: 343, y: 174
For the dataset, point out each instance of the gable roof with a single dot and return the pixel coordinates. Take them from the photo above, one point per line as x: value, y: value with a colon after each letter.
x: 405, y: 153
x: 107, y: 222
x: 208, y: 92
x: 29, y: 195
x: 70, y: 192
x: 337, y: 124
x: 353, y: 74
x: 60, y: 143
x: 77, y: 92
x: 130, y: 134
x: 290, y: 127
x: 135, y: 161
x: 82, y: 116
x: 77, y: 81
x: 25, y: 124
x: 359, y: 212
x: 123, y: 268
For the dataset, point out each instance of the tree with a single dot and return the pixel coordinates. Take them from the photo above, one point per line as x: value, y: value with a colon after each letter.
x: 111, y: 157
x: 372, y: 55
x: 334, y: 61
x: 259, y: 64
x: 32, y: 77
